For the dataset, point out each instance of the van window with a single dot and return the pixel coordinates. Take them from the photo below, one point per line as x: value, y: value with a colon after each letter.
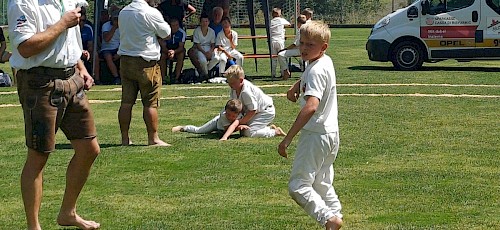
x: 494, y: 5
x: 443, y: 6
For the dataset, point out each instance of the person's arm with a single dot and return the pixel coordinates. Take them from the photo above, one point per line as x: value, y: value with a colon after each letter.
x: 88, y: 80
x: 248, y: 116
x: 3, y: 47
x: 191, y: 11
x: 40, y: 41
x: 304, y: 116
x: 179, y: 49
x: 107, y: 35
x: 230, y: 130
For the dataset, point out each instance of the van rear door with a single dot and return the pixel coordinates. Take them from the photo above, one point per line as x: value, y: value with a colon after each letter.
x: 489, y: 42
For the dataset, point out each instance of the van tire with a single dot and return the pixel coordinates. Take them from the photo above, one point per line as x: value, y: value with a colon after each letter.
x: 407, y: 56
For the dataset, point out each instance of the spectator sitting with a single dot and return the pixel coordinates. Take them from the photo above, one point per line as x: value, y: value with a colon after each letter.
x: 226, y: 43
x: 209, y: 5
x: 5, y: 55
x: 171, y: 9
x: 291, y: 50
x: 204, y: 41
x: 277, y: 31
x: 87, y: 42
x: 173, y: 48
x: 216, y: 25
x: 110, y: 44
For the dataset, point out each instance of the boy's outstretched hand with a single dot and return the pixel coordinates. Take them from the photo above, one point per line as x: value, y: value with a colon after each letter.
x: 282, y: 148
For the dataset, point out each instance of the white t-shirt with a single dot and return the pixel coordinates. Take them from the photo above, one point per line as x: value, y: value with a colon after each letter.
x: 224, y: 41
x: 114, y: 42
x: 204, y: 41
x: 138, y: 37
x: 277, y: 29
x: 252, y: 98
x: 28, y: 17
x: 318, y: 80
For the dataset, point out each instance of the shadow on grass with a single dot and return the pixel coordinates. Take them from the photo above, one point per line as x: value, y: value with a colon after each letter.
x: 430, y: 68
x: 214, y: 136
x: 102, y: 145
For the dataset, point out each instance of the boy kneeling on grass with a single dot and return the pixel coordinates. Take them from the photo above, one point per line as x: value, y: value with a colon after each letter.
x: 219, y: 123
x: 258, y: 108
x: 311, y: 178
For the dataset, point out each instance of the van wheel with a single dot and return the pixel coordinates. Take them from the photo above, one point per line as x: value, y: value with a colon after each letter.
x: 407, y: 56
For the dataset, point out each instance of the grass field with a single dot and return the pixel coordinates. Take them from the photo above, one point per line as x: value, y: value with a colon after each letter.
x: 419, y: 150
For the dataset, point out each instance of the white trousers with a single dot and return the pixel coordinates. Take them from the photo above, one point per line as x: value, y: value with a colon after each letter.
x: 259, y: 124
x: 223, y: 59
x: 208, y: 127
x: 275, y: 47
x: 205, y: 64
x: 284, y: 55
x: 312, y: 175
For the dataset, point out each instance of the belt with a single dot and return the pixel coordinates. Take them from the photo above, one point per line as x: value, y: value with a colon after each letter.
x: 55, y: 73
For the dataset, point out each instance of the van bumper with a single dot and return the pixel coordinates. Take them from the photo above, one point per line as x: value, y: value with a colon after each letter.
x: 378, y: 49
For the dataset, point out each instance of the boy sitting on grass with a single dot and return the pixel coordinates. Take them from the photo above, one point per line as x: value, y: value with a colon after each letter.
x: 219, y: 123
x: 258, y: 108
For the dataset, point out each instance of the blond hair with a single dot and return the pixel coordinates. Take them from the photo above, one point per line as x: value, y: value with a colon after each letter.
x: 234, y: 105
x: 316, y: 30
x: 234, y: 71
x: 276, y: 12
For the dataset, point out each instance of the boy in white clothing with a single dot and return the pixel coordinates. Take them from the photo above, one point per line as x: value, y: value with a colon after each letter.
x: 277, y: 31
x: 204, y: 41
x: 258, y: 108
x: 311, y: 178
x: 219, y: 123
x: 226, y: 43
x: 291, y: 50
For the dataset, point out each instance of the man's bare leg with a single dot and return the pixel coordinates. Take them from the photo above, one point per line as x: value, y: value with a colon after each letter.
x: 333, y: 223
x: 150, y: 116
x: 31, y: 186
x: 86, y: 151
x: 124, y: 118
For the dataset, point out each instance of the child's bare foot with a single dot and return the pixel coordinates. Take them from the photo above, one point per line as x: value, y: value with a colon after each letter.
x: 178, y: 129
x: 76, y: 220
x: 279, y: 131
x: 333, y: 223
x: 159, y: 143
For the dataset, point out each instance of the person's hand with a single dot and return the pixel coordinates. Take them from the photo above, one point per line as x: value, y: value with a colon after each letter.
x: 243, y: 127
x: 208, y: 55
x: 223, y: 139
x: 86, y: 55
x: 88, y: 80
x: 292, y: 95
x: 282, y: 148
x: 72, y: 18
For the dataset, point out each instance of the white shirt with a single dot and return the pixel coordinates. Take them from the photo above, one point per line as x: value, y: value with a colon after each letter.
x: 252, y: 98
x: 277, y: 29
x: 223, y: 41
x: 296, y: 41
x: 318, y: 80
x: 204, y: 41
x: 114, y: 42
x: 140, y: 24
x: 29, y: 17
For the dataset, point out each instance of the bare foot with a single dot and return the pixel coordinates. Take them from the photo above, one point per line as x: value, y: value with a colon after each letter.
x: 159, y: 143
x: 333, y: 223
x: 279, y: 131
x: 178, y: 129
x: 76, y: 220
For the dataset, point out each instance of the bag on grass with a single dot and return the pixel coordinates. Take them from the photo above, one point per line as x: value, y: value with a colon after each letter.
x: 5, y: 79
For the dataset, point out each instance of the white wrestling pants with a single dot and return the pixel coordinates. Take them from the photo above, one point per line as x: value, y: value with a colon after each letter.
x: 312, y: 175
x: 259, y: 124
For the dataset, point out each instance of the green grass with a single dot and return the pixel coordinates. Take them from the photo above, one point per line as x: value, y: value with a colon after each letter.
x: 405, y: 162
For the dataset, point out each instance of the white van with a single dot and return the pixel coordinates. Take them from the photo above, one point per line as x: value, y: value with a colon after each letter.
x: 435, y: 30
